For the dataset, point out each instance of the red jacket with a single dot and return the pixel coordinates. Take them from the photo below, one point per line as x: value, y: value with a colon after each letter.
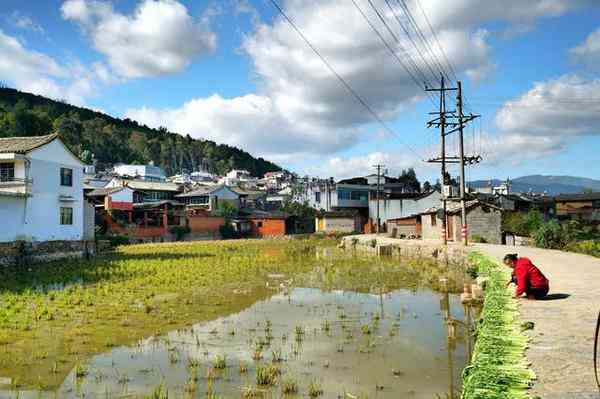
x: 528, y: 276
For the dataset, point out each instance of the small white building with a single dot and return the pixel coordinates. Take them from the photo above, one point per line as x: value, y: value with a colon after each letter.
x: 140, y: 172
x: 41, y: 190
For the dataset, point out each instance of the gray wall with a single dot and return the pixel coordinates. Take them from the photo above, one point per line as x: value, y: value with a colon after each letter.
x: 398, y: 208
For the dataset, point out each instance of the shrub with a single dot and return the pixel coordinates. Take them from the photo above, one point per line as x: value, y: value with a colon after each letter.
x: 179, y: 232
x: 116, y: 240
x: 478, y: 238
x: 550, y: 235
x: 228, y: 232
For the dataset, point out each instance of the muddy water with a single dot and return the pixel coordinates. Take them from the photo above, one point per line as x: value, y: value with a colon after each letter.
x: 397, y: 344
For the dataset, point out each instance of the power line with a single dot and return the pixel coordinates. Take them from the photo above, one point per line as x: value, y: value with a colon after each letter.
x: 341, y: 79
x: 422, y: 37
x: 389, y: 48
x: 452, y: 70
x: 410, y: 38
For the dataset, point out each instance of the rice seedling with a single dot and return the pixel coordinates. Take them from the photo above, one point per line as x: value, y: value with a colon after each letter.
x: 267, y: 375
x: 219, y: 362
x: 80, y: 371
x: 315, y: 389
x: 160, y: 392
x: 366, y: 329
x: 289, y: 385
x: 249, y: 392
x: 277, y: 356
x: 326, y: 326
x: 243, y: 367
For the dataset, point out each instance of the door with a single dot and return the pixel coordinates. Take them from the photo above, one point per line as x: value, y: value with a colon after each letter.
x: 450, y: 228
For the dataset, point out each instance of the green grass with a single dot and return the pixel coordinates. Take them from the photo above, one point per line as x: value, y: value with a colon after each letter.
x: 498, y: 368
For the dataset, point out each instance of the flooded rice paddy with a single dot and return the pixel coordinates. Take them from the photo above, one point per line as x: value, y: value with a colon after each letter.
x: 340, y: 326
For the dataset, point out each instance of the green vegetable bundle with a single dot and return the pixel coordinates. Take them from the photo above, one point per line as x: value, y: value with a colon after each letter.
x: 498, y: 368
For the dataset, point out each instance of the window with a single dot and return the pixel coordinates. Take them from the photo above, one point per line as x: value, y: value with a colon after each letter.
x: 66, y: 177
x: 66, y: 216
x: 7, y: 171
x: 318, y: 197
x: 433, y: 219
x: 596, y: 204
x: 260, y: 224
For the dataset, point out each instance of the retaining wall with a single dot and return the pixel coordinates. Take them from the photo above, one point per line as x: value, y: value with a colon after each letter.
x: 23, y: 252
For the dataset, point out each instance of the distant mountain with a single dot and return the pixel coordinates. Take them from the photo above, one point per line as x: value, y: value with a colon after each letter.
x: 551, y: 185
x: 114, y: 140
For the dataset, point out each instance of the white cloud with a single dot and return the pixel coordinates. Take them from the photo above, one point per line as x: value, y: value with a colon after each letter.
x: 360, y: 165
x: 301, y: 108
x: 24, y: 22
x: 159, y: 38
x: 251, y: 122
x: 547, y: 118
x: 588, y: 52
x: 35, y: 72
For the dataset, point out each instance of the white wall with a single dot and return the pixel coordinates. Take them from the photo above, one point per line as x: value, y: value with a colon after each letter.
x: 37, y: 217
x: 398, y: 208
x: 125, y: 195
x: 341, y: 225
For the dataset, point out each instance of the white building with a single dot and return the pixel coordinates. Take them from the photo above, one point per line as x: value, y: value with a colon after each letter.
x: 41, y: 190
x: 141, y: 172
x: 237, y: 177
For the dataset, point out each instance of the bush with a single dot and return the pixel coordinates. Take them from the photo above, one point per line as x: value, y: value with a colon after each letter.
x: 228, y: 232
x: 523, y: 224
x: 478, y: 238
x: 115, y: 241
x: 588, y: 247
x: 179, y: 232
x: 550, y: 235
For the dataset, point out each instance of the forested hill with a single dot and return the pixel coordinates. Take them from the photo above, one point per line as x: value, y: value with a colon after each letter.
x: 114, y: 140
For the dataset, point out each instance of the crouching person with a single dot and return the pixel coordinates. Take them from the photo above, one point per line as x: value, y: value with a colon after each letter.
x: 528, y: 278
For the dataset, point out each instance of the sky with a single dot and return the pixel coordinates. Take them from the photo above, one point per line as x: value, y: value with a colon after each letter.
x: 236, y: 72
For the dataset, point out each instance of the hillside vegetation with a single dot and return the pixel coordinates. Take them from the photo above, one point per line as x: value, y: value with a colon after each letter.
x: 114, y: 140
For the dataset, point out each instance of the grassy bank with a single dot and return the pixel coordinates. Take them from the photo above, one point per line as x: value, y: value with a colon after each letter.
x: 498, y: 369
x: 54, y: 316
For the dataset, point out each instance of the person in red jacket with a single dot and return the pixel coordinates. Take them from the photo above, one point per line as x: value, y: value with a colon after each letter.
x: 528, y: 278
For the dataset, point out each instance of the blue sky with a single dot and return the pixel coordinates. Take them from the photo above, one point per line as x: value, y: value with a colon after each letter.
x: 233, y: 71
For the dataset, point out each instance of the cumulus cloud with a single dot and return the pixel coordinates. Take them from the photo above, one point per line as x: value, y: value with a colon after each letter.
x: 300, y: 107
x: 308, y: 109
x: 159, y: 38
x: 588, y: 52
x: 544, y: 120
x: 251, y: 122
x: 38, y: 73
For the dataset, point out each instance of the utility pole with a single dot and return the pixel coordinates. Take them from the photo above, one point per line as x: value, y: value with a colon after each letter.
x: 455, y: 120
x: 379, y: 167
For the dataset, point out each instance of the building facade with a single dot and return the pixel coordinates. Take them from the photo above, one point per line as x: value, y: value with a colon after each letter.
x: 41, y: 191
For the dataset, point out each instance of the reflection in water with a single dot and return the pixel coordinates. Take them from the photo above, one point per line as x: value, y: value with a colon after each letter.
x: 382, y: 345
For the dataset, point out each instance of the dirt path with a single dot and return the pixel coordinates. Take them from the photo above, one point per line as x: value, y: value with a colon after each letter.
x: 562, y: 340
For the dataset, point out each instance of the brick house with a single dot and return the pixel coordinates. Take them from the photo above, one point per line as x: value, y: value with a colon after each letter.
x: 485, y: 222
x: 584, y: 207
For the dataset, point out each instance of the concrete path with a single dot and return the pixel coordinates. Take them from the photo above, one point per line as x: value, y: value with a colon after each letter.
x: 561, y: 350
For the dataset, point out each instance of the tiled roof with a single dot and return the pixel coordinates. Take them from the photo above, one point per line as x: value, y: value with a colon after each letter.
x: 206, y: 190
x: 22, y: 145
x: 579, y: 197
x: 454, y: 207
x: 101, y: 192
x: 144, y: 185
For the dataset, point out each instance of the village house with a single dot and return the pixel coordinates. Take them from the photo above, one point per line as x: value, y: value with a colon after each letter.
x: 263, y: 224
x: 584, y: 207
x: 208, y: 198
x: 346, y: 221
x: 140, y: 172
x: 41, y: 194
x: 484, y: 222
x: 401, y: 209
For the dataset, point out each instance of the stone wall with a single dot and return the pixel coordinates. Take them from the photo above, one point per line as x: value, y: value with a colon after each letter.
x: 484, y: 222
x: 25, y: 252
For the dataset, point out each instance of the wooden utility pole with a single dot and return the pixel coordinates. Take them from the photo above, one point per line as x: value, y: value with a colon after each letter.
x: 455, y: 120
x: 379, y: 168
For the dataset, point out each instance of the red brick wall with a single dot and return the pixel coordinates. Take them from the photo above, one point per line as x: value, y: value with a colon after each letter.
x: 269, y: 228
x: 205, y: 224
